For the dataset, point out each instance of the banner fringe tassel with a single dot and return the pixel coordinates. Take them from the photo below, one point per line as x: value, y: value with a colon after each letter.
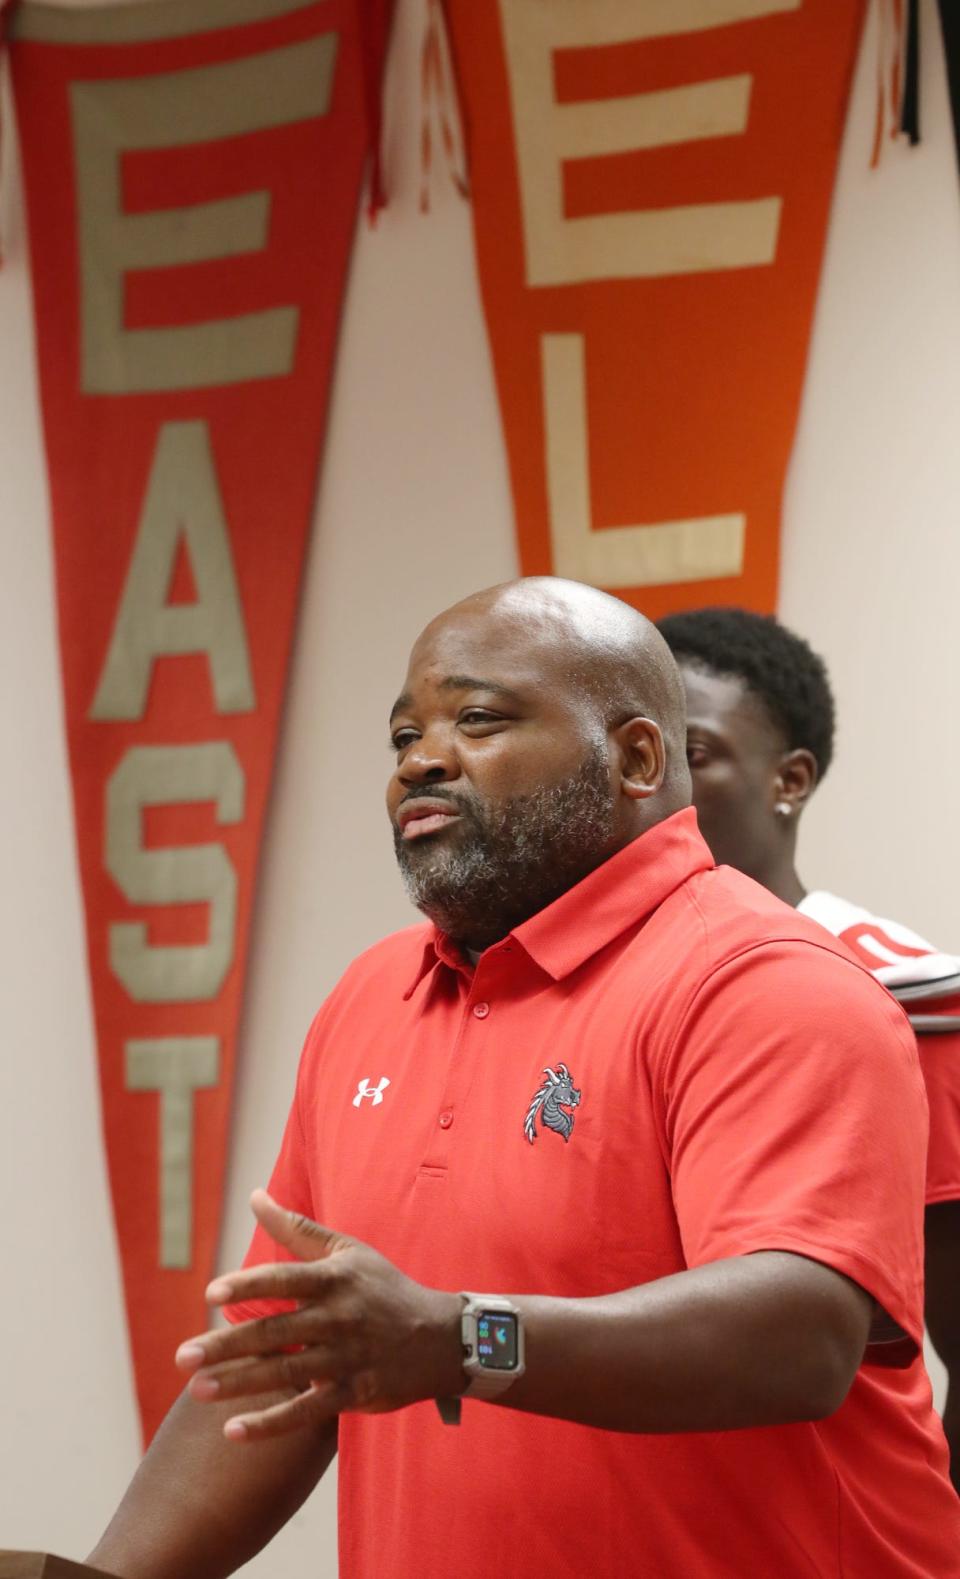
x: 5, y: 8
x: 376, y: 19
x: 439, y: 98
x: 891, y: 57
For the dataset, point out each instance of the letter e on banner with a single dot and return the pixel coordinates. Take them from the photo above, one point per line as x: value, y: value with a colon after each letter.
x: 177, y: 110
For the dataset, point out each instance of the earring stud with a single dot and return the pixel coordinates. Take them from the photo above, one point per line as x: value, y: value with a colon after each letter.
x: 783, y: 808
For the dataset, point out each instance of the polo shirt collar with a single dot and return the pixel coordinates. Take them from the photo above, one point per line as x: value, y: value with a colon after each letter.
x: 617, y: 895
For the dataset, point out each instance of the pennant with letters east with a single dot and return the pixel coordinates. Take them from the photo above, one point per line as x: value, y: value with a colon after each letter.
x: 193, y: 170
x: 651, y: 183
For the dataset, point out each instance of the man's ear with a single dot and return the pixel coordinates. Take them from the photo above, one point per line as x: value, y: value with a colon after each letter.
x: 796, y: 781
x: 643, y: 757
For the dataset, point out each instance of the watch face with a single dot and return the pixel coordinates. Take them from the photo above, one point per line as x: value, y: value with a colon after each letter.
x: 497, y: 1340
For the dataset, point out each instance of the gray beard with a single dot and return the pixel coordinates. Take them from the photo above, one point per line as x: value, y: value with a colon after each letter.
x: 512, y: 858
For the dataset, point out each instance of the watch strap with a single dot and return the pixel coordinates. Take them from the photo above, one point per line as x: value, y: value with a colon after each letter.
x: 450, y: 1410
x: 488, y: 1384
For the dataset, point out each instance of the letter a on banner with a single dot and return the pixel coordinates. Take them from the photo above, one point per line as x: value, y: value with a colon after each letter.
x: 651, y: 189
x: 193, y: 171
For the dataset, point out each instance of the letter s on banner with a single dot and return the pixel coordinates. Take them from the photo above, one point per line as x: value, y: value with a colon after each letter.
x: 173, y: 775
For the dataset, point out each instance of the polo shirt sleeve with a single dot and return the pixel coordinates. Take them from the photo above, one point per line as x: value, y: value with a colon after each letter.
x: 795, y: 1119
x: 940, y: 1062
x: 290, y: 1186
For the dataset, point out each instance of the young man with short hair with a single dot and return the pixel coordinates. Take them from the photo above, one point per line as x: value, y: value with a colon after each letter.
x: 760, y: 732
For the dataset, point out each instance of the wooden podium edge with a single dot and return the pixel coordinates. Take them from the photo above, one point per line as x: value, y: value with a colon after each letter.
x: 43, y: 1565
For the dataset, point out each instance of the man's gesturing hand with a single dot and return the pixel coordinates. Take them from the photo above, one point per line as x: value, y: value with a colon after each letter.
x: 363, y: 1336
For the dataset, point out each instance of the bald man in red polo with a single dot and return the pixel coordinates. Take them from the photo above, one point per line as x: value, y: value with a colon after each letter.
x: 621, y: 1270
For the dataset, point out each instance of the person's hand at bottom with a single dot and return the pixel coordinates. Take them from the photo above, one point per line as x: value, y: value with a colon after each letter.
x: 363, y: 1336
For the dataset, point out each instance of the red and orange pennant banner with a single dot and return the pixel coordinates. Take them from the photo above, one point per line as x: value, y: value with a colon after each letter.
x: 652, y: 187
x: 193, y: 172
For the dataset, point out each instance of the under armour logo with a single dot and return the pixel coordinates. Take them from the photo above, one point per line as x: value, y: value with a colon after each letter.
x: 375, y: 1093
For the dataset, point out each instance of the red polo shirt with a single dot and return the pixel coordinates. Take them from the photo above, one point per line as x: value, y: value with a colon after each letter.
x: 743, y: 1085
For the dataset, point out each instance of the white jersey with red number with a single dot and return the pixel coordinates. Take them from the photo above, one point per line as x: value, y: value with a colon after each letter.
x: 927, y: 983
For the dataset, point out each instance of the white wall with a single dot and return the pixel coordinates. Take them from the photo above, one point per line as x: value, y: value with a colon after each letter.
x: 872, y: 547
x: 414, y: 484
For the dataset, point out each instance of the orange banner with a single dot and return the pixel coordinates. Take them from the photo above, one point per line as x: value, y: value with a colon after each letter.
x: 651, y: 188
x: 193, y: 172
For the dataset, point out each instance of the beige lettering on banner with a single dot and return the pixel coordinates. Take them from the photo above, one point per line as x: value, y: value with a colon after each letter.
x: 684, y: 239
x: 144, y: 23
x: 191, y: 874
x: 636, y: 244
x: 618, y: 556
x: 176, y: 110
x: 175, y: 1067
x: 182, y: 503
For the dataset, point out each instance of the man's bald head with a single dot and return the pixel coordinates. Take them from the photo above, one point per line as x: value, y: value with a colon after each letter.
x: 541, y: 729
x: 595, y: 644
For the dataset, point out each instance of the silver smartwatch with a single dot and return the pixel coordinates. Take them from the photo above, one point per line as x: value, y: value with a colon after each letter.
x: 491, y: 1331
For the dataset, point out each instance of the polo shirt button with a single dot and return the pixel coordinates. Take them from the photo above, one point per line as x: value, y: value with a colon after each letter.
x: 446, y: 1118
x: 481, y: 1010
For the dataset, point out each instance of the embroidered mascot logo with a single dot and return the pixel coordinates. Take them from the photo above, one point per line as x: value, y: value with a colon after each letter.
x: 557, y: 1094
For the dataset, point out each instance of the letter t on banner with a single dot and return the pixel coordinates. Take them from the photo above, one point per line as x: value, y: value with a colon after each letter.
x: 651, y: 191
x: 193, y: 172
